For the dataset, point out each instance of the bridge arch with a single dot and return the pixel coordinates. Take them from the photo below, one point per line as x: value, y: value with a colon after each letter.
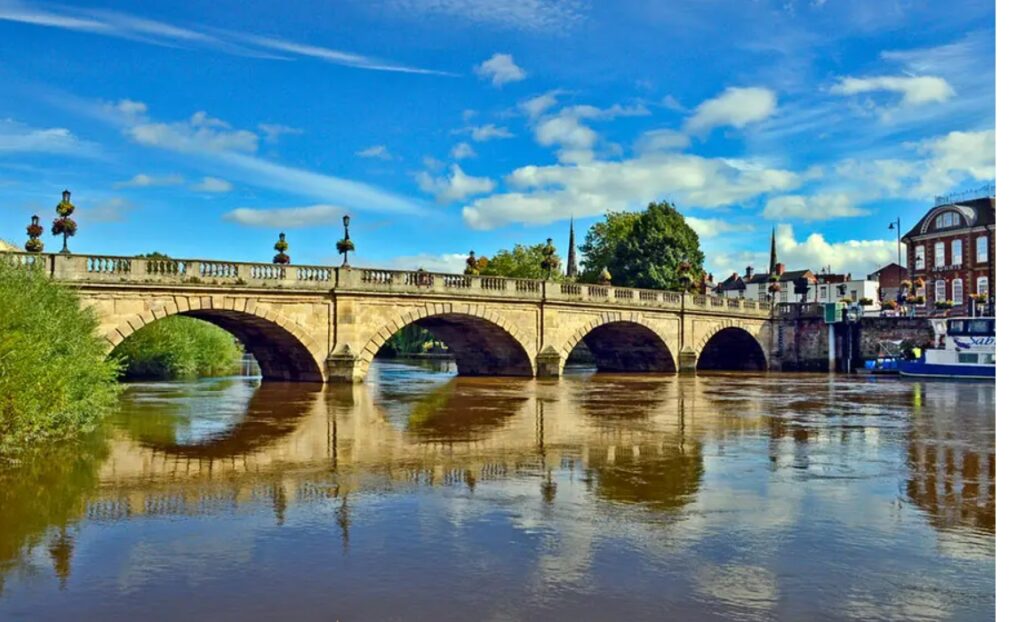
x: 482, y: 341
x: 284, y: 350
x: 732, y: 347
x: 623, y: 343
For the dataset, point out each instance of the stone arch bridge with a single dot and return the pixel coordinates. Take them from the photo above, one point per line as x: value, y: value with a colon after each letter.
x: 319, y: 324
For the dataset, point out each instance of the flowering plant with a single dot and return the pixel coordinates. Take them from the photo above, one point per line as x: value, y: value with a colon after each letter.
x: 345, y: 246
x: 281, y: 246
x: 34, y: 245
x: 34, y: 230
x: 64, y: 225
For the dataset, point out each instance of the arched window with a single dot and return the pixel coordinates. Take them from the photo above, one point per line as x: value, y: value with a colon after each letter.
x: 958, y: 291
x: 983, y: 285
x: 940, y: 290
x: 981, y: 249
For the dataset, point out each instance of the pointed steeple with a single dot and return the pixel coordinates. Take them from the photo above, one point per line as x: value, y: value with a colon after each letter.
x: 570, y: 264
x: 773, y: 260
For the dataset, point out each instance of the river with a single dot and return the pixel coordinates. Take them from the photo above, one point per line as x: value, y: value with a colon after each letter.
x: 420, y: 495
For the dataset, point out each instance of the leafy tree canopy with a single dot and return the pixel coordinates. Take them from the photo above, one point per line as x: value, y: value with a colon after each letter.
x: 522, y: 262
x: 643, y: 249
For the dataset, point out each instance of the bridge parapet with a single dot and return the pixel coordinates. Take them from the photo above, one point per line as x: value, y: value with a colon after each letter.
x: 110, y: 269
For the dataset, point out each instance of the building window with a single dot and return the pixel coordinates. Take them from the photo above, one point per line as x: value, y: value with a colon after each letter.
x: 957, y: 252
x: 919, y: 257
x: 981, y: 252
x: 958, y: 291
x: 824, y: 293
x: 940, y: 290
x: 940, y: 254
x: 983, y: 285
x: 946, y: 220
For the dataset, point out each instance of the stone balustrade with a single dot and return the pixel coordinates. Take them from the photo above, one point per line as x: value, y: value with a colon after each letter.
x: 231, y: 274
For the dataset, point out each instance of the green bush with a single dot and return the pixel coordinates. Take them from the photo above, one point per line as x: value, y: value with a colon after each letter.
x: 55, y: 381
x: 178, y: 347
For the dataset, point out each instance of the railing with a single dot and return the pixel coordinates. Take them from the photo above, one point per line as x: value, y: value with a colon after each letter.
x: 167, y: 271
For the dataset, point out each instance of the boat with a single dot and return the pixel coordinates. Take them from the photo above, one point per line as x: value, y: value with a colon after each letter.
x: 966, y: 349
x: 888, y: 359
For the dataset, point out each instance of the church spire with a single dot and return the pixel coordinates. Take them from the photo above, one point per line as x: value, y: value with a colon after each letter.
x: 570, y: 264
x: 774, y: 259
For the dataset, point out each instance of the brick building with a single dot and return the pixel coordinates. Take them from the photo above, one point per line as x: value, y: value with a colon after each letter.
x: 953, y: 249
x: 889, y: 280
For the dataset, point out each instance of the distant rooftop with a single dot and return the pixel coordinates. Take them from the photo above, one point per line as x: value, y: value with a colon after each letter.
x: 983, y: 192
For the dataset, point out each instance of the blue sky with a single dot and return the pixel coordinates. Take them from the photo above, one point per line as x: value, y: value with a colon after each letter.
x: 203, y: 129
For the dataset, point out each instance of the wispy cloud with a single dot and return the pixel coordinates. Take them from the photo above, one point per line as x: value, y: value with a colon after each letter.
x: 457, y: 185
x: 143, y: 180
x: 213, y: 184
x: 379, y: 152
x: 914, y: 90
x: 17, y: 137
x: 536, y: 15
x: 292, y: 217
x: 143, y: 30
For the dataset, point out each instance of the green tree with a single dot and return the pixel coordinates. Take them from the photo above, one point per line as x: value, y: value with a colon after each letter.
x: 645, y: 249
x: 522, y: 262
x: 179, y: 347
x: 55, y: 380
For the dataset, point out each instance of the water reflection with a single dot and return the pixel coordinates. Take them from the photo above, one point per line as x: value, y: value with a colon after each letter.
x: 725, y: 495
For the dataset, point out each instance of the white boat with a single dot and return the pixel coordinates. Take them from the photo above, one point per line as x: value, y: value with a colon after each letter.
x: 967, y: 349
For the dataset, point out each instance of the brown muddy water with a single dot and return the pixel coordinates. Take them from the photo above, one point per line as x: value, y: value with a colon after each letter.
x: 422, y: 496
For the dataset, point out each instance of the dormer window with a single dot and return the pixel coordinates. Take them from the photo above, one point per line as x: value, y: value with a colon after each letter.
x: 947, y: 219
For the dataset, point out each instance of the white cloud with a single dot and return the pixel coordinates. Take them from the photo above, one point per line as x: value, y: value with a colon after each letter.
x: 213, y: 184
x: 462, y: 151
x: 825, y: 206
x: 735, y: 107
x: 954, y: 155
x: 855, y: 256
x: 661, y: 140
x: 714, y: 227
x: 455, y: 187
x: 915, y: 90
x: 379, y: 152
x: 536, y: 106
x: 537, y: 15
x: 672, y: 103
x: 450, y: 263
x: 484, y: 133
x: 17, y: 137
x: 143, y: 180
x: 130, y: 108
x: 548, y: 193
x: 500, y: 69
x: 274, y: 131
x: 575, y: 140
x: 201, y: 133
x: 292, y: 217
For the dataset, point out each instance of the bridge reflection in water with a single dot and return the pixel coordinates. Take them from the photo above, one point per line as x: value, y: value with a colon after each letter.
x: 724, y: 483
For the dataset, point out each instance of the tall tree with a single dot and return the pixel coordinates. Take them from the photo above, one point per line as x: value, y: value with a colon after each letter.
x: 523, y: 262
x: 644, y: 249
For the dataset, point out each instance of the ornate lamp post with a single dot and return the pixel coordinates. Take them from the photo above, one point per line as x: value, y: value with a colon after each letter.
x: 281, y: 246
x: 685, y: 278
x: 472, y: 266
x: 34, y: 230
x: 64, y: 225
x: 899, y: 251
x: 346, y: 245
x: 550, y: 262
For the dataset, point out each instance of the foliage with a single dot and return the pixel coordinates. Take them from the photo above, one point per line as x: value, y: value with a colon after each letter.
x: 64, y: 223
x: 944, y: 304
x: 889, y: 305
x: 34, y: 230
x: 644, y: 249
x: 866, y: 302
x: 472, y: 264
x: 346, y: 246
x: 410, y: 340
x: 55, y: 380
x: 281, y: 246
x: 522, y: 262
x: 550, y: 262
x: 179, y: 347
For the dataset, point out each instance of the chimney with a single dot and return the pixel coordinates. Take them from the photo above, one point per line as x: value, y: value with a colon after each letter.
x: 780, y: 268
x: 750, y: 273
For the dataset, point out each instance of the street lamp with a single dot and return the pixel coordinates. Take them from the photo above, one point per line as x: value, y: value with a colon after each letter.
x: 346, y: 245
x: 899, y: 251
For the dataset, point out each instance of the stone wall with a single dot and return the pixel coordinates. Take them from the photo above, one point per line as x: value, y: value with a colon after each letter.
x: 802, y: 342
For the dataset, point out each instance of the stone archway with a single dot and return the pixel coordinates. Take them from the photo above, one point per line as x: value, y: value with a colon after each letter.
x: 623, y: 343
x: 283, y: 349
x: 731, y: 348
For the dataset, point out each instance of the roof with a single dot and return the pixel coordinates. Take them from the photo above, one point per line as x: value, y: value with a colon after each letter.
x: 891, y: 265
x: 789, y: 275
x: 977, y: 213
x: 734, y: 282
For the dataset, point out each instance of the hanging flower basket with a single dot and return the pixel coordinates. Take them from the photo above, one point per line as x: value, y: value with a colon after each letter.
x: 345, y: 246
x: 64, y: 225
x: 34, y: 245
